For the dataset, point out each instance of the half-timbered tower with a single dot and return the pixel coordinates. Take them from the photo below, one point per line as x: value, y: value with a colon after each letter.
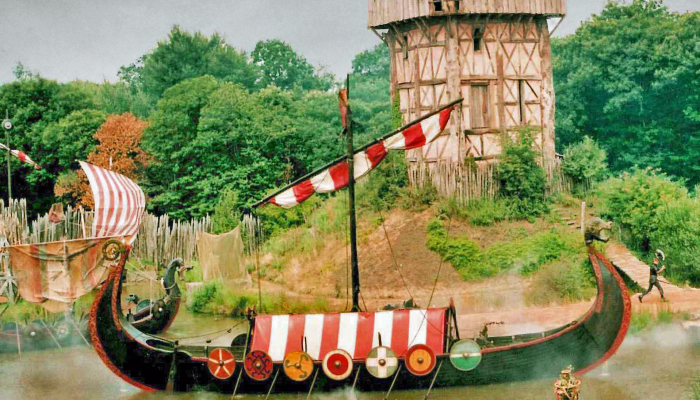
x: 496, y: 55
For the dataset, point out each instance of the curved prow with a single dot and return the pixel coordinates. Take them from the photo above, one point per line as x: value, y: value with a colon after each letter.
x: 157, y: 316
x: 138, y: 358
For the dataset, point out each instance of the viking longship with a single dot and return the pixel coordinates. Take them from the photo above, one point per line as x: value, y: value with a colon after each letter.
x: 385, y: 350
x: 55, y: 274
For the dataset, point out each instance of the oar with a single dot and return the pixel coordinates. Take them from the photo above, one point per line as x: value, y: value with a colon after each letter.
x: 49, y: 331
x: 433, y: 382
x: 273, y: 384
x: 396, y: 375
x: 311, y: 389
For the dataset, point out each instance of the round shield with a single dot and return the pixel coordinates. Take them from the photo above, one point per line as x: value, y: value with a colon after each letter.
x: 382, y: 362
x: 258, y: 365
x: 221, y: 363
x: 465, y: 355
x: 337, y: 365
x: 298, y: 366
x: 420, y: 360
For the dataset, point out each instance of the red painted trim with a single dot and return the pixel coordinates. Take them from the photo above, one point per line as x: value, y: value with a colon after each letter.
x: 113, y: 279
x: 199, y: 359
x: 626, y: 318
x: 621, y: 333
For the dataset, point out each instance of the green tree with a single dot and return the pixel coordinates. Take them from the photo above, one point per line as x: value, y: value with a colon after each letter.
x: 34, y: 105
x: 183, y: 56
x: 281, y: 66
x: 585, y: 162
x: 72, y: 138
x: 628, y: 78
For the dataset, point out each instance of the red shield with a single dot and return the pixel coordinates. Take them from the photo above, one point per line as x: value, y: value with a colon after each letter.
x: 221, y: 363
x: 258, y: 365
x: 420, y: 360
x: 337, y: 365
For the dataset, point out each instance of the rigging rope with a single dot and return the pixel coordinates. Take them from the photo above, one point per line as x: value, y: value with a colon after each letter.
x: 393, y: 256
x: 227, y: 330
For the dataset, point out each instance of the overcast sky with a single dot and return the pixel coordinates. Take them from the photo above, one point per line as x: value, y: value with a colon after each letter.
x: 90, y: 39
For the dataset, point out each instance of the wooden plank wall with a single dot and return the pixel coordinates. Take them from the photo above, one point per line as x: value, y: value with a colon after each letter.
x: 382, y: 12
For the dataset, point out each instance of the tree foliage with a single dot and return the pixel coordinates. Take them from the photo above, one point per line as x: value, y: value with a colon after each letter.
x: 628, y: 78
x: 117, y: 149
x: 585, y: 162
x: 184, y: 56
x: 281, y: 66
x: 522, y: 179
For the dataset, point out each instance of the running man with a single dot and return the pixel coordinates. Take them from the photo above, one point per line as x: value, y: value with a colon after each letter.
x: 654, y: 270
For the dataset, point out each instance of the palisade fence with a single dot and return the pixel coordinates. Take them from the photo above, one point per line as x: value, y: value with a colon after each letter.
x: 159, y: 240
x: 477, y: 180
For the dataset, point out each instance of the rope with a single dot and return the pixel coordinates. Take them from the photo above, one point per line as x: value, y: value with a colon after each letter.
x: 437, y: 276
x: 228, y: 330
x: 393, y: 256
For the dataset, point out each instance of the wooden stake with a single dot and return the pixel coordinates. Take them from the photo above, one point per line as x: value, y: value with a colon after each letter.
x: 583, y: 218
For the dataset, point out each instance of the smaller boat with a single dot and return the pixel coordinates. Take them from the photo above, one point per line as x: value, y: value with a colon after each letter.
x: 155, y: 317
x: 40, y: 334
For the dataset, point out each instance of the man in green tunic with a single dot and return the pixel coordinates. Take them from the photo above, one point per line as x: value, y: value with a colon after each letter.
x: 654, y: 270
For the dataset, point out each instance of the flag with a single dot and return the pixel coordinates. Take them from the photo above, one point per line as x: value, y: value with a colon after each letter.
x: 343, y: 104
x: 119, y: 203
x: 21, y: 156
x: 336, y: 176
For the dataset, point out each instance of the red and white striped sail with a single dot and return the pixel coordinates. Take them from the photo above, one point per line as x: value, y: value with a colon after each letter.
x: 119, y: 203
x: 22, y: 156
x: 356, y: 333
x: 336, y: 176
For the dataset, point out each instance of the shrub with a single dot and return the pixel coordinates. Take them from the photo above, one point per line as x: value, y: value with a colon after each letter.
x: 487, y: 212
x: 677, y: 233
x: 522, y: 179
x: 585, y: 162
x: 634, y: 199
x: 226, y: 212
x: 564, y: 279
x: 526, y: 254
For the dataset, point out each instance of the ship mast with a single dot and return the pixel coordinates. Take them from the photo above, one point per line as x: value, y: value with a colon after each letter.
x: 351, y: 207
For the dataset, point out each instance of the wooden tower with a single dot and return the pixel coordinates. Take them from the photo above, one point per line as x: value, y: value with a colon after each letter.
x: 495, y: 54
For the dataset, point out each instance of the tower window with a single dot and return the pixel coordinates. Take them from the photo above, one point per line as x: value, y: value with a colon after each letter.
x: 456, y: 5
x: 405, y: 47
x: 478, y: 34
x: 437, y: 5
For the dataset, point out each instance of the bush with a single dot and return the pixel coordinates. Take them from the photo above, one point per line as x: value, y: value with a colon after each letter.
x: 677, y: 233
x: 565, y: 279
x: 487, y: 212
x: 525, y: 254
x: 585, y: 162
x: 635, y: 199
x: 522, y: 179
x: 226, y: 212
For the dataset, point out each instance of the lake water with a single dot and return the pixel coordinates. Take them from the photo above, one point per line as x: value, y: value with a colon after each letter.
x: 661, y: 364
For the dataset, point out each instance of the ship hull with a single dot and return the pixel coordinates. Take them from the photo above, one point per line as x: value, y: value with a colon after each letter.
x: 151, y: 363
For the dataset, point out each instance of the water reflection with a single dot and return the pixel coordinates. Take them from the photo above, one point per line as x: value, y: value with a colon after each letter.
x: 657, y: 365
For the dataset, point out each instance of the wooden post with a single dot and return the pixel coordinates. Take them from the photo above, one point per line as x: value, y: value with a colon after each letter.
x: 583, y: 218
